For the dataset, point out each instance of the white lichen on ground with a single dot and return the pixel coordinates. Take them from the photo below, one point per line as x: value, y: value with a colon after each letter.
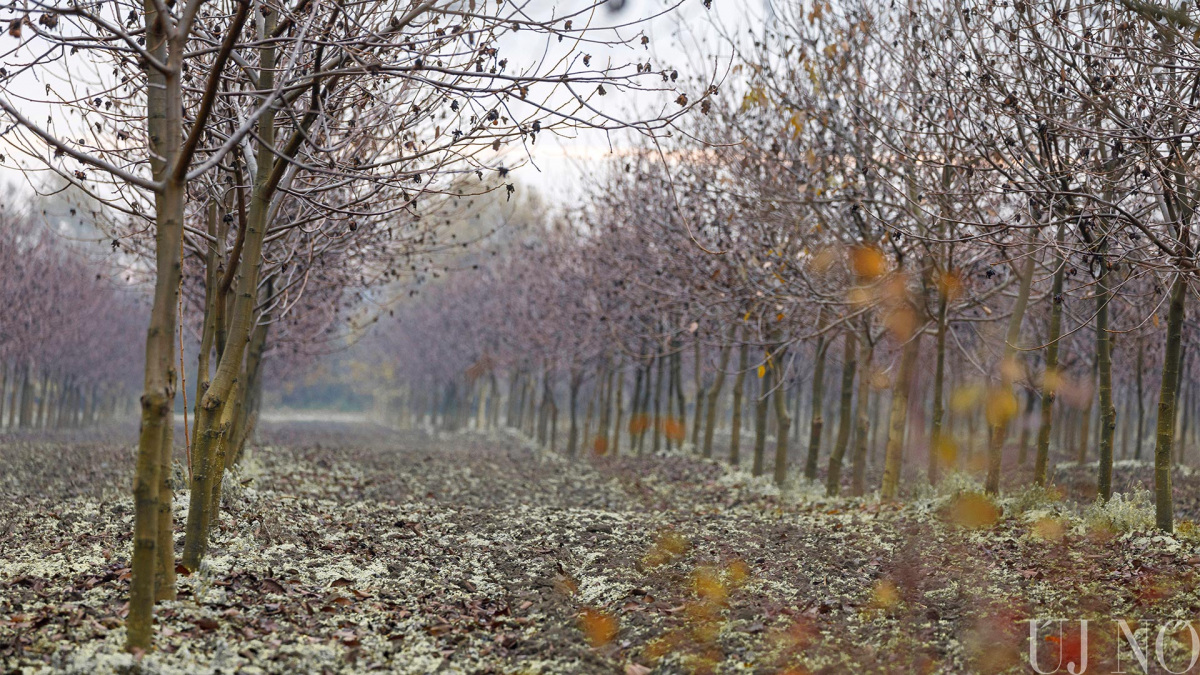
x: 350, y: 549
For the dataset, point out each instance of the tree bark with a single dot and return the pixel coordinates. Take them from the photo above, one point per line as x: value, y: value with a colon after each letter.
x: 1023, y: 444
x: 760, y: 419
x: 606, y: 411
x: 164, y: 575
x: 164, y: 124
x: 817, y: 423
x: 833, y: 479
x: 1163, y: 506
x: 616, y: 430
x: 573, y: 403
x: 1085, y: 433
x: 714, y: 397
x: 211, y: 413
x: 1108, y: 414
x: 859, y: 468
x: 939, y: 383
x: 783, y: 421
x: 739, y: 382
x: 897, y: 420
x: 1001, y: 416
x: 635, y: 414
x: 1051, y: 378
x: 1141, y: 403
x: 700, y: 395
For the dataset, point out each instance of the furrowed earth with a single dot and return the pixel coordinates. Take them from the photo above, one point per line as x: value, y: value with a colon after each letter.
x: 346, y: 548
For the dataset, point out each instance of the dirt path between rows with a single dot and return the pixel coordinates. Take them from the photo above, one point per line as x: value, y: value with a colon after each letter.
x: 358, y: 549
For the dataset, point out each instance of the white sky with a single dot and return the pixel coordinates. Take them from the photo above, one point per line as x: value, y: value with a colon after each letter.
x: 684, y: 39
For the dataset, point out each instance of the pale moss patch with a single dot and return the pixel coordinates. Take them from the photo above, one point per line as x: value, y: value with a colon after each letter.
x: 1032, y: 503
x: 1128, y: 512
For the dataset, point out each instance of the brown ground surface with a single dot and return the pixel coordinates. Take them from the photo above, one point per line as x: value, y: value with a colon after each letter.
x: 358, y: 548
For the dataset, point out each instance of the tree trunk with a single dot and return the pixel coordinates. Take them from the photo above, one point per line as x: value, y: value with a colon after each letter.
x: 27, y: 397
x: 164, y: 124
x: 211, y: 415
x: 1141, y: 404
x: 635, y: 414
x: 164, y: 574
x: 3, y: 390
x: 1180, y: 410
x: 588, y: 441
x: 849, y: 363
x: 817, y: 423
x: 573, y: 404
x: 1163, y: 507
x: 783, y: 421
x: 43, y: 399
x: 700, y: 395
x: 494, y: 394
x: 897, y: 420
x: 616, y: 429
x: 1051, y: 378
x: 1185, y: 395
x: 1126, y: 427
x: 543, y: 431
x: 221, y: 457
x: 679, y: 424
x: 1023, y: 444
x: 1108, y: 414
x: 14, y: 400
x: 645, y: 420
x: 859, y: 469
x: 1002, y: 404
x: 658, y: 393
x: 739, y: 382
x: 939, y: 382
x: 246, y: 413
x: 760, y: 419
x: 1085, y: 432
x: 510, y: 414
x: 606, y: 412
x: 714, y: 398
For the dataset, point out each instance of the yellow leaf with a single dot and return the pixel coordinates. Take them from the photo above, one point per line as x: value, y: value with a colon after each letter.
x: 737, y: 573
x: 973, y: 510
x: 1011, y: 368
x: 708, y: 585
x: 762, y: 370
x: 1048, y: 529
x: 1052, y: 380
x: 867, y: 261
x: 598, y: 627
x: 965, y: 398
x: 796, y: 123
x: 885, y: 595
x: 947, y: 451
x: 951, y: 285
x: 901, y: 321
x: 1001, y: 407
x: 669, y: 545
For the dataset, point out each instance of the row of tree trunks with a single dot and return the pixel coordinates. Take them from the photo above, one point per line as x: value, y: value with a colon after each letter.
x: 53, y: 402
x: 857, y: 405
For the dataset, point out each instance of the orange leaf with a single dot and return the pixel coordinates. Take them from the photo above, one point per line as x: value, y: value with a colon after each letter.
x: 973, y: 510
x: 867, y: 262
x: 598, y: 627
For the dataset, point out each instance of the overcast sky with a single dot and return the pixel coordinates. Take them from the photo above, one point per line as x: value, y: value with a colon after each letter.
x: 684, y: 38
